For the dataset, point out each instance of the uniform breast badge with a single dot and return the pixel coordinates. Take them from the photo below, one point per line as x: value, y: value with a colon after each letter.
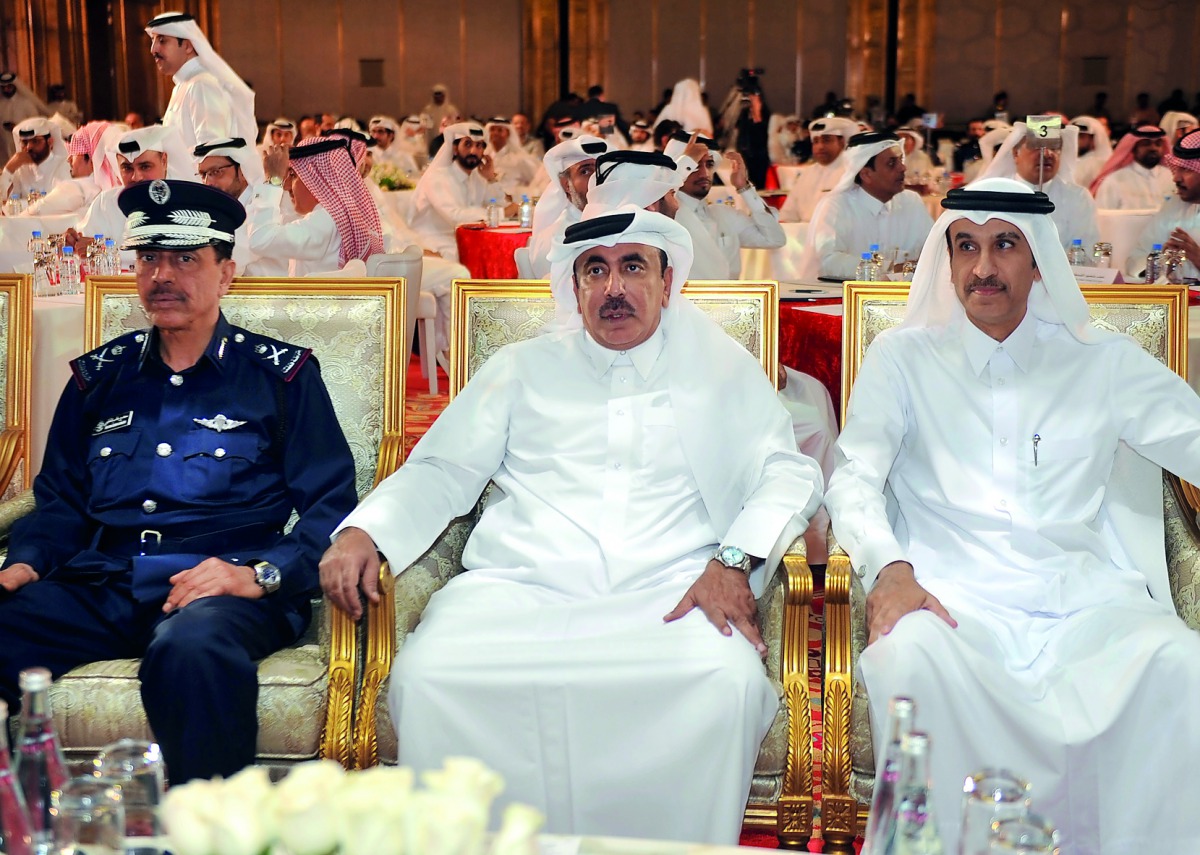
x: 220, y: 423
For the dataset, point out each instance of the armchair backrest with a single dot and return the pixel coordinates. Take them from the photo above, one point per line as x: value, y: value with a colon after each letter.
x: 16, y: 360
x: 486, y: 315
x: 1156, y: 316
x: 354, y: 327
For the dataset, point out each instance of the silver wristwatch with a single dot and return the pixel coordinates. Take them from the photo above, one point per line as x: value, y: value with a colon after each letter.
x: 733, y: 558
x: 267, y: 576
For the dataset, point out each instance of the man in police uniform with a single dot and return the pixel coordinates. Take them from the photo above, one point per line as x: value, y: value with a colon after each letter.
x: 174, y: 460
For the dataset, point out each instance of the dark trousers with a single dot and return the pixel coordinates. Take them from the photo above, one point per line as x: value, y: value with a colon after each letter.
x: 199, y: 675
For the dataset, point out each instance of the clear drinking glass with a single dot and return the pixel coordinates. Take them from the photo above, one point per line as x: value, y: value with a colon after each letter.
x: 137, y: 767
x: 1030, y: 835
x: 988, y: 796
x: 87, y: 817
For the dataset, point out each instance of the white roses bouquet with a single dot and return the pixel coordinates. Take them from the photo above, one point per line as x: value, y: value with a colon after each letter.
x: 391, y: 177
x: 319, y: 809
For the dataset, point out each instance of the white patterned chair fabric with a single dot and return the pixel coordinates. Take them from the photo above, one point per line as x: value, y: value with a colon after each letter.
x: 1156, y: 317
x: 307, y: 691
x: 16, y: 359
x: 505, y: 312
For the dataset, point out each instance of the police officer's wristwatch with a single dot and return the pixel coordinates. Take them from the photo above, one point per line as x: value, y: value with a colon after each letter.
x: 733, y: 558
x: 267, y: 576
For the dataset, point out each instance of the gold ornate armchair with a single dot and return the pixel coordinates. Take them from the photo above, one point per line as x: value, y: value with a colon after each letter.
x: 487, y: 316
x: 1156, y: 316
x: 16, y: 360
x: 307, y: 691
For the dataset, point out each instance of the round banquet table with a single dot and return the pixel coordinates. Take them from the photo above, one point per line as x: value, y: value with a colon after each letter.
x: 488, y: 253
x: 57, y: 339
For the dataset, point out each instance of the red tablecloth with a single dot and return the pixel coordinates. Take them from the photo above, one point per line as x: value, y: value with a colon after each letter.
x: 811, y: 342
x: 488, y: 253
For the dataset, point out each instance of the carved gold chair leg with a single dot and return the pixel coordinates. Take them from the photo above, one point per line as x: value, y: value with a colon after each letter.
x: 795, y: 817
x: 379, y: 651
x: 839, y: 810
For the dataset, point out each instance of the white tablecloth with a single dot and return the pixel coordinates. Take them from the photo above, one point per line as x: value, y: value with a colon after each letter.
x: 57, y: 339
x: 14, y: 238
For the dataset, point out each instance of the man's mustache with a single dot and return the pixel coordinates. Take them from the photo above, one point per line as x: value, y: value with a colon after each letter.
x: 613, y: 305
x: 986, y: 282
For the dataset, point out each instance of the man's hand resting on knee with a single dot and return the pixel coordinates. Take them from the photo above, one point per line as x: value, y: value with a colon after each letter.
x: 17, y: 576
x: 724, y: 595
x: 895, y: 594
x: 212, y: 577
x: 350, y: 563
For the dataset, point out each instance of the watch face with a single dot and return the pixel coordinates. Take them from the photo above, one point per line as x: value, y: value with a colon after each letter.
x: 731, y: 556
x: 267, y: 575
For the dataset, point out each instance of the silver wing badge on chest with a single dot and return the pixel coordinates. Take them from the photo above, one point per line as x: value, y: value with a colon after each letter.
x: 220, y: 422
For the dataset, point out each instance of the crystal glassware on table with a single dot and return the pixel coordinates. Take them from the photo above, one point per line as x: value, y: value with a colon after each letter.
x: 988, y: 796
x: 89, y: 818
x: 1030, y: 835
x: 136, y: 767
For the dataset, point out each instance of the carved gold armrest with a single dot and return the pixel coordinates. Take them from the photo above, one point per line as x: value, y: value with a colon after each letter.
x: 795, y: 817
x: 18, y: 506
x: 12, y: 452
x: 839, y: 810
x: 341, y: 642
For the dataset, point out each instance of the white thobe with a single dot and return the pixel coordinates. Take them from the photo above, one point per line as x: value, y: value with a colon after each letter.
x: 1174, y: 214
x: 549, y: 658
x: 104, y: 217
x: 43, y: 177
x: 1063, y: 668
x: 845, y: 224
x: 452, y: 196
x: 1136, y: 188
x: 808, y: 189
x: 1087, y: 167
x: 397, y: 157
x: 515, y: 169
x: 537, y: 150
x: 13, y: 111
x: 720, y: 231
x: 68, y: 197
x: 542, y: 240
x: 199, y: 107
x: 416, y: 148
x: 249, y: 262
x: 1074, y: 213
x: 311, y: 243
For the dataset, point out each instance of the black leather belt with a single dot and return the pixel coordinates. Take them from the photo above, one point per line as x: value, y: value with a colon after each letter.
x: 125, y: 542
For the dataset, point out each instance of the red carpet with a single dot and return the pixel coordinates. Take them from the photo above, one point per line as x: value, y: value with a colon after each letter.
x: 421, y: 409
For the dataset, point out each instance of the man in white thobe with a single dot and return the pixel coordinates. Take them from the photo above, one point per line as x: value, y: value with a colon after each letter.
x: 220, y: 166
x: 596, y: 653
x: 570, y: 165
x: 720, y: 231
x: 210, y: 101
x: 85, y: 152
x: 1177, y: 223
x: 868, y: 206
x: 41, y: 160
x: 441, y: 112
x: 17, y: 102
x: 530, y: 143
x: 1022, y: 599
x: 383, y: 130
x: 1095, y: 148
x: 338, y: 218
x: 1134, y: 178
x: 514, y: 166
x: 829, y: 137
x: 455, y: 189
x: 1053, y: 166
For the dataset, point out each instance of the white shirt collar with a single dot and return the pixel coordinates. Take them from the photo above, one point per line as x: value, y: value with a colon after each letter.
x: 188, y: 70
x: 643, y: 356
x: 873, y: 205
x: 1019, y: 345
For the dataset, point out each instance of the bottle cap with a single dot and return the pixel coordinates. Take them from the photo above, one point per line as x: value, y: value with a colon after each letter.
x: 97, y: 237
x: 108, y: 242
x: 37, y: 234
x: 874, y: 247
x: 491, y: 201
x: 68, y: 250
x: 1077, y: 242
x: 866, y: 256
x: 35, y: 679
x: 1157, y: 247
